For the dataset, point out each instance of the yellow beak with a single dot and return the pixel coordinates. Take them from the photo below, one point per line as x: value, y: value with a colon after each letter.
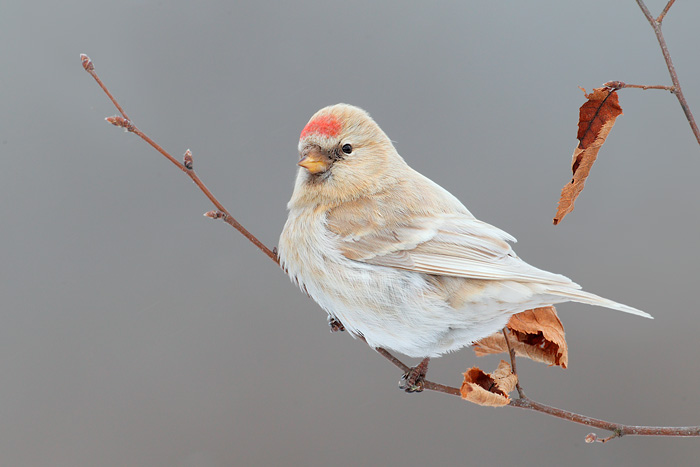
x: 315, y: 162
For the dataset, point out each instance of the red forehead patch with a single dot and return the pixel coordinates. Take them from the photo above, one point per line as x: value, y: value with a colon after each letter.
x: 325, y: 125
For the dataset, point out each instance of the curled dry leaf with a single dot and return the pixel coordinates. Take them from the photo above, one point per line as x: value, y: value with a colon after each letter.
x: 489, y: 389
x: 537, y: 334
x: 596, y: 119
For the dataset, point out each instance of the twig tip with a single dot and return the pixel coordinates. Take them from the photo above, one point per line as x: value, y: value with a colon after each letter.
x: 591, y: 438
x: 87, y: 63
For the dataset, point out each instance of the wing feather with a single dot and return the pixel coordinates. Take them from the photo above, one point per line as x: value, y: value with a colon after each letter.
x: 450, y: 244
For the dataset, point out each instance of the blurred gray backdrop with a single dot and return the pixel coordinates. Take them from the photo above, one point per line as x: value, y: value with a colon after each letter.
x: 133, y: 331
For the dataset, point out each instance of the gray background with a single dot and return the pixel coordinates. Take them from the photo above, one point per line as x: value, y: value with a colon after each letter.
x: 133, y: 331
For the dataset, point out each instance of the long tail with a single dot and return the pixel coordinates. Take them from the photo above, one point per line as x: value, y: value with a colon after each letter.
x: 592, y: 299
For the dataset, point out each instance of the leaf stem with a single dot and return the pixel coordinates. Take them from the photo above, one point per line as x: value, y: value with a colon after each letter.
x: 621, y: 85
x: 511, y: 353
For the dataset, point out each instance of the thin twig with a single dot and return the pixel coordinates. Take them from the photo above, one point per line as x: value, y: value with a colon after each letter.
x: 656, y: 26
x: 621, y: 430
x: 398, y: 363
x: 523, y: 402
x: 663, y: 13
x: 622, y: 85
x: 90, y: 68
x: 127, y: 124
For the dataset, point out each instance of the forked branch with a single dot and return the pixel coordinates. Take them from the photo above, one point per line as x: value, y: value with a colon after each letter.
x: 676, y: 89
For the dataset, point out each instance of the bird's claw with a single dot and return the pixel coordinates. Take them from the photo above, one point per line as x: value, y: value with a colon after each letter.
x: 414, y: 379
x: 335, y: 325
x: 417, y: 385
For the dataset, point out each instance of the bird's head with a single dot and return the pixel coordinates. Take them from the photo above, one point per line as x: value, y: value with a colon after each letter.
x: 343, y: 154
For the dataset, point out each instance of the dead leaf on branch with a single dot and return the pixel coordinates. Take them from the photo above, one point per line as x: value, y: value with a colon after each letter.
x: 490, y: 389
x: 537, y: 334
x: 596, y: 119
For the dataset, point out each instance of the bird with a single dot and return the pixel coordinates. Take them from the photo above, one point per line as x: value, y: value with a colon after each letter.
x: 396, y: 259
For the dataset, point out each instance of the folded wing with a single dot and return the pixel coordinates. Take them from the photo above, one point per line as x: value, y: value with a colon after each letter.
x: 444, y: 244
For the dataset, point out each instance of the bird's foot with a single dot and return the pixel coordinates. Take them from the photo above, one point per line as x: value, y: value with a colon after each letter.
x: 414, y: 379
x: 335, y: 325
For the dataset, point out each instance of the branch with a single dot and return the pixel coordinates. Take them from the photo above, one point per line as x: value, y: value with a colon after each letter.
x: 186, y: 167
x: 525, y: 402
x: 522, y: 402
x: 656, y: 26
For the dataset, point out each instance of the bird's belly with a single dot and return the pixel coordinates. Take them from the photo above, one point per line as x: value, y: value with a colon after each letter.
x: 397, y: 309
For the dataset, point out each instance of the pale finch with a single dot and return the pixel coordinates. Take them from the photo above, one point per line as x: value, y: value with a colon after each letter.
x: 396, y: 258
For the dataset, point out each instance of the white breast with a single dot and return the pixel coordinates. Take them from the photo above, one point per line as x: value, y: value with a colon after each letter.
x: 391, y: 308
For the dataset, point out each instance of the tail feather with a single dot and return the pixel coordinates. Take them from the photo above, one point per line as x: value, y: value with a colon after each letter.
x: 592, y: 299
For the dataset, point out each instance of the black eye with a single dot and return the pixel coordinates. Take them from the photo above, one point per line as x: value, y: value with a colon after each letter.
x: 347, y: 149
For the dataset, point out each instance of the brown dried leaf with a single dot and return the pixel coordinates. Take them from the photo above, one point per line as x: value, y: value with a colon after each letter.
x: 596, y: 119
x: 489, y: 389
x: 537, y: 334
